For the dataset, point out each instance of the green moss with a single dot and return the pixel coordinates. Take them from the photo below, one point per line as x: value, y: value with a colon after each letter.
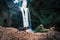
x: 41, y: 30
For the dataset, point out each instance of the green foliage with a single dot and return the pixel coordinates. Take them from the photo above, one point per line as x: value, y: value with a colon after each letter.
x: 45, y: 12
x: 41, y: 30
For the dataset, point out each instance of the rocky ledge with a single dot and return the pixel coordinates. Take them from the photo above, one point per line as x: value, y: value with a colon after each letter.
x: 9, y: 33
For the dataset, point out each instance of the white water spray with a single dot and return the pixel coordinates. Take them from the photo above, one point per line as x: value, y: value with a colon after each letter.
x: 25, y: 11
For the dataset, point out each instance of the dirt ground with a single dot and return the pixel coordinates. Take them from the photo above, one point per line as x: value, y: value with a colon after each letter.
x: 9, y: 33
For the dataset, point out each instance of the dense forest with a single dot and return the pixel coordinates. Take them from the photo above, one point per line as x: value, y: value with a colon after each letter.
x: 46, y: 12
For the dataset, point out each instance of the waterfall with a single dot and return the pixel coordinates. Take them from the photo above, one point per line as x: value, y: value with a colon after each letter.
x: 22, y: 4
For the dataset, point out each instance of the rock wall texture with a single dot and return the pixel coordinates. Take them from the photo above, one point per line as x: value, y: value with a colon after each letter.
x: 9, y: 33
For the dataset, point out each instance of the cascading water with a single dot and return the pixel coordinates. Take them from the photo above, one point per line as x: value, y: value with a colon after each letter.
x: 22, y: 4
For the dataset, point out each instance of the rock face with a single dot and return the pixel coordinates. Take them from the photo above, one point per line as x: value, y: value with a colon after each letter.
x: 13, y: 34
x: 53, y: 35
